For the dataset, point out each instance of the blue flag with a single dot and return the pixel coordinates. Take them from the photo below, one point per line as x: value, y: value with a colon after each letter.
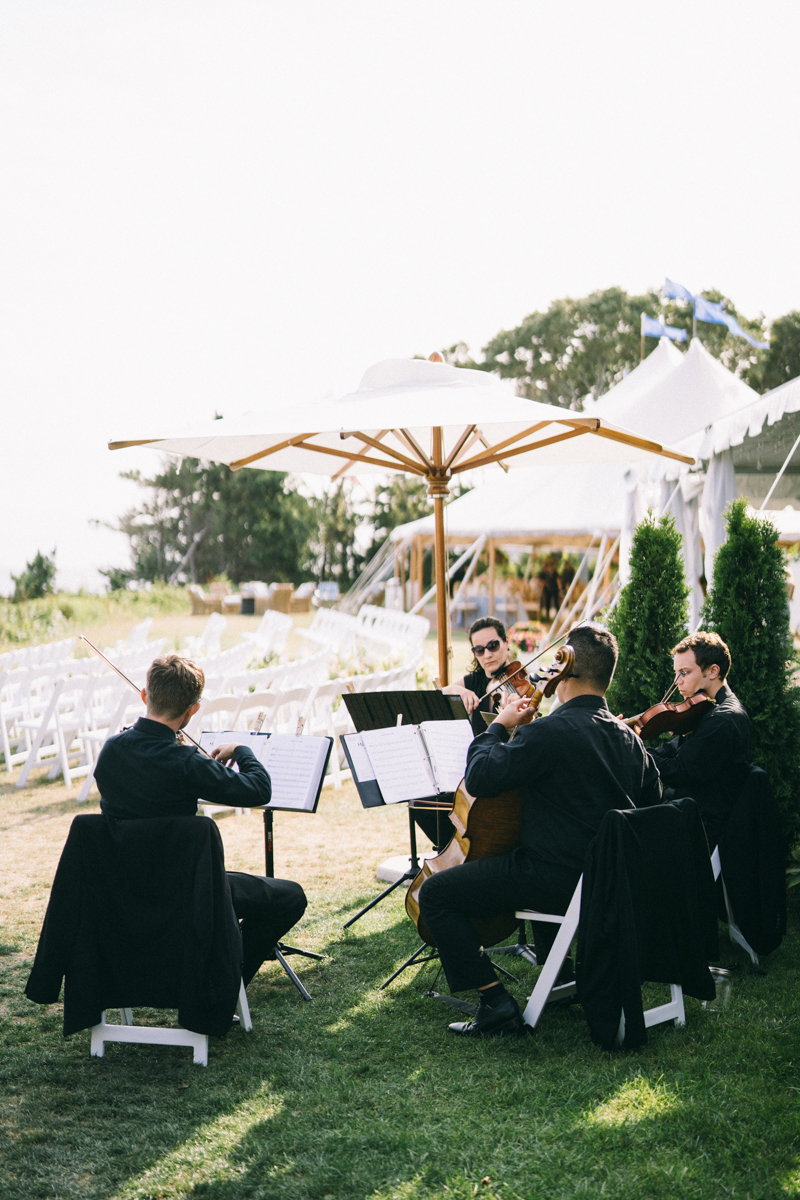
x: 653, y: 328
x: 706, y: 310
x: 676, y: 291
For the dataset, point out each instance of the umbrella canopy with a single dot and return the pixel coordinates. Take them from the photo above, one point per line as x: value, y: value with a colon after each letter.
x: 416, y: 417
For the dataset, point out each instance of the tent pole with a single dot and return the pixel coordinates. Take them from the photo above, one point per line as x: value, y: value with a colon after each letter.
x: 491, y: 577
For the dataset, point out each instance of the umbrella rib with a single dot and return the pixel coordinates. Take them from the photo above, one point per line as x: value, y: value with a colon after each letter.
x: 483, y: 460
x: 292, y: 441
x: 414, y: 446
x: 124, y: 445
x: 459, y: 446
x: 642, y: 444
x: 362, y: 458
x: 351, y: 462
x: 401, y: 458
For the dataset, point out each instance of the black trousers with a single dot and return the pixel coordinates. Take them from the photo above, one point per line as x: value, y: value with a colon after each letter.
x: 484, y: 888
x: 267, y: 909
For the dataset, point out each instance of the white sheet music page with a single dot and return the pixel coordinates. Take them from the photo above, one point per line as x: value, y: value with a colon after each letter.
x: 447, y: 742
x: 256, y: 741
x: 399, y: 761
x: 358, y: 756
x: 295, y: 766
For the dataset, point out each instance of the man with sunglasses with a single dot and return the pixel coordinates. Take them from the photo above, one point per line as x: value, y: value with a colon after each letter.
x: 489, y: 645
x: 571, y: 767
x: 710, y: 763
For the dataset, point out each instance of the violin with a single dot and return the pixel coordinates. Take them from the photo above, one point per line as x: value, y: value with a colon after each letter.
x: 669, y: 717
x: 486, y: 826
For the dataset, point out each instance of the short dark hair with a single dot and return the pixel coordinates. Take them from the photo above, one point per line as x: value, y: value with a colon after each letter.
x: 486, y: 623
x: 708, y: 649
x: 173, y: 685
x: 596, y: 654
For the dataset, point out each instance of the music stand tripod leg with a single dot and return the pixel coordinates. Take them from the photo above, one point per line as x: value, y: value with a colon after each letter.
x: 410, y: 874
x: 414, y: 961
x: 284, y: 949
x: 305, y: 994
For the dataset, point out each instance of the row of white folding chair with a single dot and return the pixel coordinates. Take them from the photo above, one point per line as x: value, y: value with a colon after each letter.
x: 76, y: 704
x: 208, y: 641
x: 126, y: 711
x: 31, y: 656
x: 24, y: 694
x: 136, y: 639
x: 395, y: 627
x: 227, y: 662
x: 135, y: 662
x: 272, y: 633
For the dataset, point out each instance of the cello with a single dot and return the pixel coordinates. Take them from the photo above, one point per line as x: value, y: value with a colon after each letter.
x: 487, y: 826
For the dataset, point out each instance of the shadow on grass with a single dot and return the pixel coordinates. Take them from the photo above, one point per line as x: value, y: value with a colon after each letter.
x: 363, y: 1093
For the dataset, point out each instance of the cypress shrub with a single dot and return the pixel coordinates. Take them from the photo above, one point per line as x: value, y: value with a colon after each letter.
x: 650, y: 618
x: 748, y: 608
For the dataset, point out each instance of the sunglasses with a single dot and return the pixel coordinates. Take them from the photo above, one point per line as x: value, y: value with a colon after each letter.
x: 495, y: 644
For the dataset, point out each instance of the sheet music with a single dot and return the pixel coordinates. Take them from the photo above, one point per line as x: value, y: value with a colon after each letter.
x: 399, y: 760
x: 295, y: 765
x: 447, y: 742
x: 358, y: 756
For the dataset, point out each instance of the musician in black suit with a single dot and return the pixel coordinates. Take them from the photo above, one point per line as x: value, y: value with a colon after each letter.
x: 571, y: 766
x: 712, y: 761
x: 145, y: 772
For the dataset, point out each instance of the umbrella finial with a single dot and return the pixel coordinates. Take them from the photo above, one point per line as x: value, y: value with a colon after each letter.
x: 435, y: 357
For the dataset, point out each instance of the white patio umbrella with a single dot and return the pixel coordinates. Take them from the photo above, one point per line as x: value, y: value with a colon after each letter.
x: 415, y: 417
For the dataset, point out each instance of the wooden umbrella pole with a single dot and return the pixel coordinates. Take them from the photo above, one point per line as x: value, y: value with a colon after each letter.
x: 438, y: 489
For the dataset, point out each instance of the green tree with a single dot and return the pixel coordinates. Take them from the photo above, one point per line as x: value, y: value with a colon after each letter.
x: 37, y: 580
x: 201, y: 519
x: 403, y: 498
x: 650, y: 618
x: 748, y: 608
x: 583, y: 347
x: 781, y: 362
x: 337, y: 555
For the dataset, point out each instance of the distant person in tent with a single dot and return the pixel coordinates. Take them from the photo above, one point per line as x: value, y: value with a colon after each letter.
x: 549, y: 596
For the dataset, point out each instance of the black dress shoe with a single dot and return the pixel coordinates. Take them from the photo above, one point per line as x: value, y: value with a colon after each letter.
x: 504, y: 1018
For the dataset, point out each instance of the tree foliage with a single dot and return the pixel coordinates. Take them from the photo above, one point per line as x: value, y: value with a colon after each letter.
x: 781, y: 362
x: 748, y: 608
x: 650, y: 618
x: 337, y: 555
x: 583, y: 347
x: 37, y: 580
x: 403, y: 498
x: 202, y: 519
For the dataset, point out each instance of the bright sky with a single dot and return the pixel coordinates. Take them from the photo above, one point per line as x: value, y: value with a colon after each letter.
x: 229, y: 205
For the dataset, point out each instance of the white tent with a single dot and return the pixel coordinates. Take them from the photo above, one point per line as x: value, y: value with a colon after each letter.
x: 670, y: 397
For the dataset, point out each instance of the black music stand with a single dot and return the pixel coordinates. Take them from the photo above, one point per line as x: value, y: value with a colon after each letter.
x: 281, y: 949
x: 381, y: 710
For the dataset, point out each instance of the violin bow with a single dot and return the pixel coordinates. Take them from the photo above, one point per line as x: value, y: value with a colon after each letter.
x: 523, y: 666
x: 138, y: 690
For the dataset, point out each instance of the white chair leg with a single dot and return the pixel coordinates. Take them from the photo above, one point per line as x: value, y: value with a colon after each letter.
x: 97, y: 1047
x: 125, y: 1016
x: 243, y: 1010
x: 555, y: 960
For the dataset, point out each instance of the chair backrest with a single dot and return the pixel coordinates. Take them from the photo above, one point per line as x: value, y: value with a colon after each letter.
x: 251, y: 705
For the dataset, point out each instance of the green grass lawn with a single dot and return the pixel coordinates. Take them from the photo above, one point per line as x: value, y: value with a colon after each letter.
x: 363, y: 1093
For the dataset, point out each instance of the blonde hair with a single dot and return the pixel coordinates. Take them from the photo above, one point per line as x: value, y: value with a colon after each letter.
x: 173, y: 685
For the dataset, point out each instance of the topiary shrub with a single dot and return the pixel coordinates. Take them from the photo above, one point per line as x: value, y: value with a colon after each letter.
x: 650, y: 618
x: 748, y: 607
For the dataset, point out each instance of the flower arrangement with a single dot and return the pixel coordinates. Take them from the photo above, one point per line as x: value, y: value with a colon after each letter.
x: 525, y: 636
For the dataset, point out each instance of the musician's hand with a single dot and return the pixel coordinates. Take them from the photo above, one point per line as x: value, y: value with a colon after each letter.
x: 514, y: 713
x: 468, y: 698
x: 225, y: 754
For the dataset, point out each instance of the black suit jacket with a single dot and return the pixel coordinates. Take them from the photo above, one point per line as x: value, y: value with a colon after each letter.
x: 647, y: 912
x: 140, y: 914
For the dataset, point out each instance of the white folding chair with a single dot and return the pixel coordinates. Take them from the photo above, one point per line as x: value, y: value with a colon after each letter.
x: 251, y: 705
x: 546, y: 990
x: 160, y: 1035
x: 58, y: 728
x: 734, y: 932
x: 128, y: 709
